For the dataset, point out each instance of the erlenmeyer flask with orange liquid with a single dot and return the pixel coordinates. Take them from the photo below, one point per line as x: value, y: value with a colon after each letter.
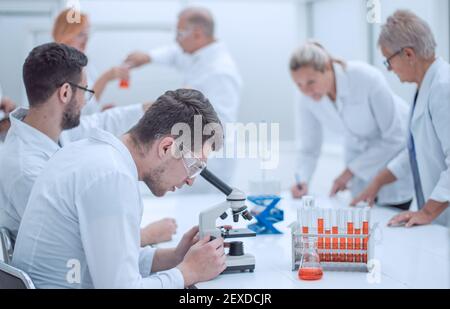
x: 125, y: 83
x: 310, y: 268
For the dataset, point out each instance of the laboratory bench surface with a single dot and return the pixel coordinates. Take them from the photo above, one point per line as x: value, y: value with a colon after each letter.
x: 415, y: 257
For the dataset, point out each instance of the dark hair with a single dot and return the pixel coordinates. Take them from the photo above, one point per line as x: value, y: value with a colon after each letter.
x: 48, y: 67
x: 174, y: 107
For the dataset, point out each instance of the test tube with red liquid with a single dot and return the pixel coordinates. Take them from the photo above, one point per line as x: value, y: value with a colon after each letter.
x: 365, y: 230
x: 357, y: 223
x: 124, y: 83
x: 320, y: 231
x: 305, y: 220
x: 349, y: 257
x: 342, y: 229
x: 335, y: 240
x: 327, y: 222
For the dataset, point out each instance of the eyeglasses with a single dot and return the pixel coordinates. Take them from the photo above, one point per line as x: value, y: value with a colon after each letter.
x: 387, y: 62
x: 194, y: 166
x: 89, y: 93
x: 181, y: 34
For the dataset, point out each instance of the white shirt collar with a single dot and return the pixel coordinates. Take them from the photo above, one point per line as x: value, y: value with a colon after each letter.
x: 117, y: 144
x: 431, y: 72
x: 424, y: 89
x: 29, y: 134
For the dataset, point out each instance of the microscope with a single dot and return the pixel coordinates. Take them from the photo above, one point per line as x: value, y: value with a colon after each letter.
x: 236, y: 259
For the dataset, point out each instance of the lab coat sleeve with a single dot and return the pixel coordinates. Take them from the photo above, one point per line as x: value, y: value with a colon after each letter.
x: 167, y: 55
x: 115, y: 120
x: 223, y: 92
x: 392, y: 139
x: 400, y: 166
x: 146, y: 255
x: 110, y: 234
x: 440, y: 115
x: 308, y: 142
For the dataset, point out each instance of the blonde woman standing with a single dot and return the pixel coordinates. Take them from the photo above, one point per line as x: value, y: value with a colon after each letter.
x: 354, y: 99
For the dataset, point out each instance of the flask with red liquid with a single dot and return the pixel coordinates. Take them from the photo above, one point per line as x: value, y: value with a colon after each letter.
x: 310, y: 268
x: 125, y: 83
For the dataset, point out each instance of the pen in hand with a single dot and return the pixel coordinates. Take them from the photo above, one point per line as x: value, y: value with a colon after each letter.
x: 297, y: 180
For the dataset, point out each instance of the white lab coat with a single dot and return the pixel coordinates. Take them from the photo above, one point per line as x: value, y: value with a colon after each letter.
x: 26, y: 151
x: 212, y: 71
x: 83, y: 222
x: 2, y: 113
x: 373, y: 120
x: 430, y: 127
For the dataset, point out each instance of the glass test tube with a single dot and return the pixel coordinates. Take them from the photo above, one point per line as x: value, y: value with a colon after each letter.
x: 124, y: 83
x: 308, y: 206
x: 305, y: 227
x: 308, y: 201
x: 357, y: 222
x: 335, y: 240
x: 349, y: 257
x: 320, y: 231
x: 366, y: 217
x: 327, y: 222
x: 342, y: 230
x: 313, y: 221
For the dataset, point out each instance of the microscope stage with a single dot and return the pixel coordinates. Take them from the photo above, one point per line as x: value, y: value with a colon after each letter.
x: 236, y: 233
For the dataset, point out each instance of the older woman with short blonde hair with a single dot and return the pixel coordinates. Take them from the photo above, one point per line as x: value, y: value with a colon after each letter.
x: 409, y: 46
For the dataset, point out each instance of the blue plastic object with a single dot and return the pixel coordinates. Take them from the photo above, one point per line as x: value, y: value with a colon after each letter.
x: 269, y: 216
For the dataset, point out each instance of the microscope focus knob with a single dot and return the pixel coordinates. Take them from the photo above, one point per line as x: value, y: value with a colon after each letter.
x: 223, y: 216
x: 236, y: 248
x: 247, y: 216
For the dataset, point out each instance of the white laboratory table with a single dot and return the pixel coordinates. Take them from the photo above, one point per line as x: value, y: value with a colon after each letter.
x: 415, y: 257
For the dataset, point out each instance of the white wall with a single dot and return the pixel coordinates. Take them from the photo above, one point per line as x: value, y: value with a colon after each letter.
x: 18, y: 21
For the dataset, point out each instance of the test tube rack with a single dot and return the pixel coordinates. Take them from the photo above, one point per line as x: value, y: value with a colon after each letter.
x: 338, y: 251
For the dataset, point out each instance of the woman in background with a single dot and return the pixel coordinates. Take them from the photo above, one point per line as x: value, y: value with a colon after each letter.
x: 409, y: 47
x: 352, y: 98
x: 76, y: 35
